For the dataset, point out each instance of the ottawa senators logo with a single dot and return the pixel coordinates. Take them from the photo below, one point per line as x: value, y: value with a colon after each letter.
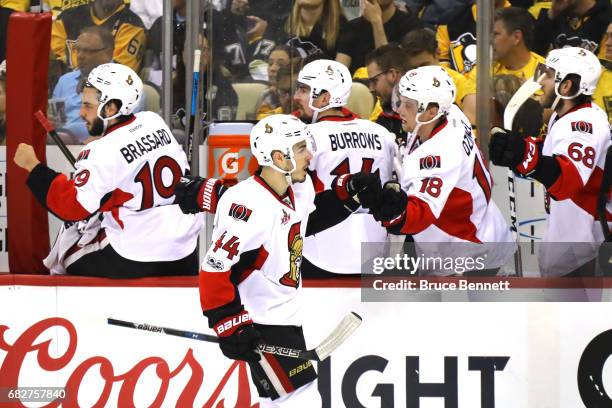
x: 269, y: 128
x: 436, y: 83
x: 295, y: 244
x: 329, y: 70
x: 129, y: 80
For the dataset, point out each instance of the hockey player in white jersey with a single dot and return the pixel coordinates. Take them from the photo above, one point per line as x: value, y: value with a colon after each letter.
x: 569, y: 161
x: 345, y: 144
x: 445, y: 194
x: 125, y: 179
x: 250, y: 277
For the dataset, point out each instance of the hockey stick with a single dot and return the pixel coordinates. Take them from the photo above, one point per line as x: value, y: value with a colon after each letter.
x: 194, y: 99
x: 520, y: 96
x: 51, y: 131
x: 343, y: 331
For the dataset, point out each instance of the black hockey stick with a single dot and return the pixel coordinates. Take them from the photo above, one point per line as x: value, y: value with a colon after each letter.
x: 343, y: 331
x: 51, y: 131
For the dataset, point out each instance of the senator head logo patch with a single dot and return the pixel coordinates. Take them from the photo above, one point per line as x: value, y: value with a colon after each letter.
x: 436, y: 83
x: 129, y: 80
x: 269, y: 128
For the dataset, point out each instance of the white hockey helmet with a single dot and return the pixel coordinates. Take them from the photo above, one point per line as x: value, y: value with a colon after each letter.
x: 427, y: 85
x: 116, y: 81
x: 279, y: 133
x: 327, y: 75
x: 572, y: 60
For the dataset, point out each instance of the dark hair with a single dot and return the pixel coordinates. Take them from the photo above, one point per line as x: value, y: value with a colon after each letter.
x: 418, y: 41
x: 575, y: 80
x: 387, y: 57
x: 105, y: 36
x: 516, y: 18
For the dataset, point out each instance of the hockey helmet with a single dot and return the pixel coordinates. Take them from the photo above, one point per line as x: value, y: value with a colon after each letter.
x: 573, y: 60
x: 327, y: 75
x: 116, y: 81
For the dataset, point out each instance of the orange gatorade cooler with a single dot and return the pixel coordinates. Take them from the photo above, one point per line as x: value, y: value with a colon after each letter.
x: 229, y: 152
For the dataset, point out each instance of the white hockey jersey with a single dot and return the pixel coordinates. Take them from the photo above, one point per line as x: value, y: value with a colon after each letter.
x: 579, y: 139
x: 257, y: 247
x: 449, y: 191
x: 346, y: 144
x: 129, y: 176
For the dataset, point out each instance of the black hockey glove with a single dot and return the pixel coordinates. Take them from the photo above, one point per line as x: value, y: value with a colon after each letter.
x: 366, y: 186
x: 509, y: 149
x: 197, y: 194
x: 238, y: 338
x: 392, y: 210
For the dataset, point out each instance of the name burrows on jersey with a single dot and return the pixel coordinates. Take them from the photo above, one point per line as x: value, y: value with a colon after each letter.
x: 133, y: 195
x: 579, y: 140
x: 348, y: 145
x: 449, y: 190
x: 238, y: 268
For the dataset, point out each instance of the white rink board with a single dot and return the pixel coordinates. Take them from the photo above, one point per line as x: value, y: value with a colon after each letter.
x: 540, y: 342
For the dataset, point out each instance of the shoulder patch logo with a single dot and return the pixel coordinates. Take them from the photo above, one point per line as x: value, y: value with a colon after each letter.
x: 240, y: 212
x: 430, y: 162
x: 582, y: 126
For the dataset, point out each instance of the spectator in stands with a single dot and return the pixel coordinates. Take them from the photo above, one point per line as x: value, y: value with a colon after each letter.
x: 221, y: 97
x: 239, y: 40
x: 512, y: 40
x: 313, y: 26
x: 94, y: 47
x: 279, y: 57
x: 603, y: 92
x: 55, y: 6
x: 435, y: 12
x: 457, y: 39
x: 2, y: 104
x: 572, y: 23
x: 382, y: 22
x: 148, y: 11
x: 126, y: 27
x: 284, y: 89
x: 154, y: 40
x: 421, y: 49
x: 386, y: 65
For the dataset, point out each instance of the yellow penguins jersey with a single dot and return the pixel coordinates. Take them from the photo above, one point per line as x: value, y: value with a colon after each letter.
x: 457, y: 41
x: 125, y: 26
x: 256, y: 251
x: 346, y: 144
x: 523, y: 73
x: 603, y: 92
x: 449, y: 190
x: 56, y: 6
x: 578, y: 140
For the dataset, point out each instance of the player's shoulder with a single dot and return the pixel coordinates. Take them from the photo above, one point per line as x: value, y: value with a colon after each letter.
x: 588, y: 118
x: 242, y: 204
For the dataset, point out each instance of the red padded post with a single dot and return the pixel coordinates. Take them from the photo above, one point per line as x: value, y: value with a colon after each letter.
x: 27, y: 56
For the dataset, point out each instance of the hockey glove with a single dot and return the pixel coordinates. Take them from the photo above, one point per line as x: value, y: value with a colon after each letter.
x: 238, y: 338
x: 392, y: 209
x: 197, y: 194
x: 360, y: 185
x: 509, y: 149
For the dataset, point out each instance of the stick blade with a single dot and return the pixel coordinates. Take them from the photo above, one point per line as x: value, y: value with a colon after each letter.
x: 528, y: 88
x: 345, y: 329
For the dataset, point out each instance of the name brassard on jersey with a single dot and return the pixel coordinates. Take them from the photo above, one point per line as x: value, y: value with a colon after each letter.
x: 145, y: 144
x: 354, y: 140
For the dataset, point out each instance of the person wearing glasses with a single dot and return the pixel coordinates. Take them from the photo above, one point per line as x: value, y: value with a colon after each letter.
x: 126, y: 27
x: 94, y: 46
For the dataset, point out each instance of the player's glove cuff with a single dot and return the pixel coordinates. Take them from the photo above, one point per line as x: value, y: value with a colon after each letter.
x: 531, y: 156
x: 228, y: 326
x: 197, y: 194
x: 342, y: 187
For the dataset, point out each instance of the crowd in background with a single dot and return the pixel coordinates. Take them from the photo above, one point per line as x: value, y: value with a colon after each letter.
x: 267, y: 42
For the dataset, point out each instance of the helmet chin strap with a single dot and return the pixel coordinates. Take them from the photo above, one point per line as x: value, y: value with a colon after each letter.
x: 559, y: 96
x: 286, y: 173
x: 419, y: 123
x: 316, y: 110
x: 104, y: 119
